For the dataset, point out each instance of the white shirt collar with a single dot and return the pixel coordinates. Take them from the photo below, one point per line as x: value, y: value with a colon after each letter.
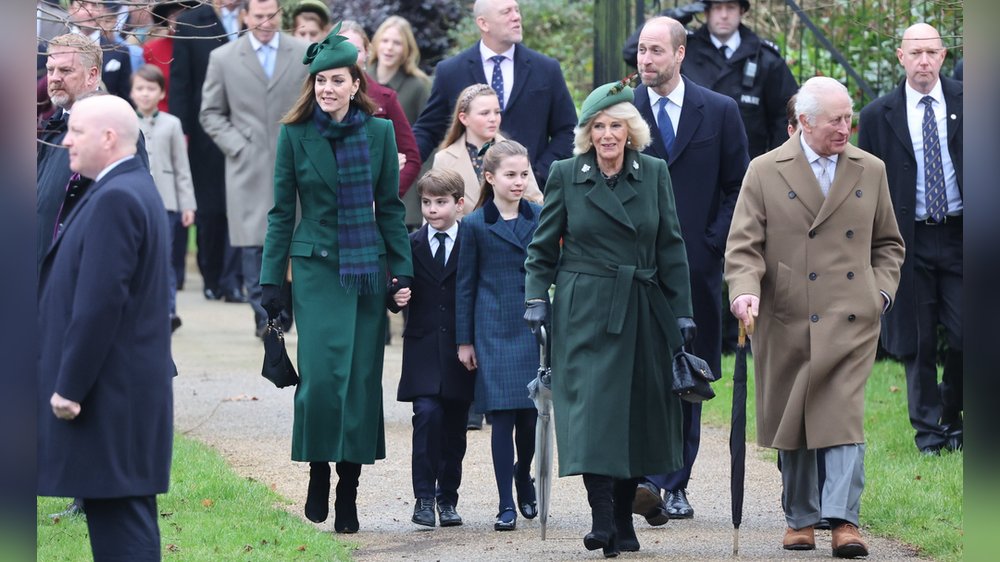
x: 811, y: 155
x: 913, y: 97
x: 112, y: 166
x: 676, y: 96
x: 94, y: 35
x: 256, y: 44
x: 486, y: 53
x: 733, y: 43
x: 451, y: 232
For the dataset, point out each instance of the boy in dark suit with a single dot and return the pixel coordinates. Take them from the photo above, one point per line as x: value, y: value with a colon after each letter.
x: 439, y: 386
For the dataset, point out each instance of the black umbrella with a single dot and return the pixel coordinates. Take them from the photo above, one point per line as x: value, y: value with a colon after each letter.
x: 738, y: 432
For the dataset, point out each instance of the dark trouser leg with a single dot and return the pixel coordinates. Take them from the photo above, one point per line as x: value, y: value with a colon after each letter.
x: 212, y: 243
x: 950, y: 282
x: 252, y: 257
x: 287, y: 316
x: 678, y: 480
x: 178, y: 252
x: 173, y: 219
x: 449, y: 475
x: 123, y: 529
x: 428, y: 419
x: 231, y: 273
x: 345, y: 505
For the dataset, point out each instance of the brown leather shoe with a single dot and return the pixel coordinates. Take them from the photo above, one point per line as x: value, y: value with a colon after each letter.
x: 847, y: 542
x: 799, y: 539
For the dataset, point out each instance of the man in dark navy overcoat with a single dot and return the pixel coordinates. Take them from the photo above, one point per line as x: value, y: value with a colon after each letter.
x: 105, y: 400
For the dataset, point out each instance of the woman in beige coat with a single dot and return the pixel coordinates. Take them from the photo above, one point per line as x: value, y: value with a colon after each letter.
x: 474, y: 125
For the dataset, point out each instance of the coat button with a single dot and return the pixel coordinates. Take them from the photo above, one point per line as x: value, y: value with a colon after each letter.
x: 324, y: 253
x: 443, y: 329
x: 850, y: 234
x: 903, y: 211
x: 791, y: 195
x: 812, y: 234
x: 812, y: 276
x: 850, y: 275
x: 858, y: 193
x: 851, y: 318
x: 443, y: 307
x: 814, y: 317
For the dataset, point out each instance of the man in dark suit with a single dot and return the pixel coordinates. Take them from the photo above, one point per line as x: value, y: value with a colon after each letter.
x: 917, y: 130
x: 439, y: 386
x: 537, y: 109
x: 700, y: 134
x: 199, y: 31
x: 73, y: 67
x: 105, y: 401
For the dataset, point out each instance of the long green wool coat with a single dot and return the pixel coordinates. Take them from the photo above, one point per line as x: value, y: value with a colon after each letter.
x: 338, y: 403
x: 621, y: 280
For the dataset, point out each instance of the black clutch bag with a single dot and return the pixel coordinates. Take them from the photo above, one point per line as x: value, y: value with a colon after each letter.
x: 692, y: 377
x: 277, y: 366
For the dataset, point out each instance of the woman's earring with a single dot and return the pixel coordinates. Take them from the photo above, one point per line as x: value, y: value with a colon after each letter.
x: 352, y: 97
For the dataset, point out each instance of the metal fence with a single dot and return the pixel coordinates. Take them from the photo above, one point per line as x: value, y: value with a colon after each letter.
x: 853, y: 41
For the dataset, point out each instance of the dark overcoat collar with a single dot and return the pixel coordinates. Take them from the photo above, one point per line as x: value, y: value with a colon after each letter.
x: 520, y: 235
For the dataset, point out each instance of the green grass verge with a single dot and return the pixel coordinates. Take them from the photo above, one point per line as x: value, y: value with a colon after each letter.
x: 210, y: 513
x: 909, y: 497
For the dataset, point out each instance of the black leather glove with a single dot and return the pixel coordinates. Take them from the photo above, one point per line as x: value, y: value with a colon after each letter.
x: 688, y: 329
x: 536, y: 314
x: 402, y: 282
x: 270, y: 299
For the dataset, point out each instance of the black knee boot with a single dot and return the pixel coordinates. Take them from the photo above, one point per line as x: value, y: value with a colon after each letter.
x: 624, y: 493
x: 318, y: 498
x: 602, y: 533
x: 345, y: 507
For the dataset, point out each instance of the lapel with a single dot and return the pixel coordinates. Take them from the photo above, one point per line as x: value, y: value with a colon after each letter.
x: 452, y: 264
x: 895, y: 116
x: 522, y: 70
x: 953, y: 104
x: 793, y: 167
x: 599, y: 195
x: 691, y: 115
x: 641, y: 102
x: 249, y: 59
x: 846, y: 176
x: 474, y: 63
x: 282, y: 59
x: 422, y: 252
x: 496, y: 224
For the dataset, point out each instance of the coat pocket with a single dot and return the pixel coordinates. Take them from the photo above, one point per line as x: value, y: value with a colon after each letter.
x: 782, y: 294
x: 300, y: 249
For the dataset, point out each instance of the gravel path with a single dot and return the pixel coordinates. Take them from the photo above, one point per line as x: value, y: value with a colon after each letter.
x: 221, y: 399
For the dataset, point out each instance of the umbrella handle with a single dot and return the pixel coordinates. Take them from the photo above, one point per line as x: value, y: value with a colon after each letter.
x: 543, y: 348
x: 745, y: 330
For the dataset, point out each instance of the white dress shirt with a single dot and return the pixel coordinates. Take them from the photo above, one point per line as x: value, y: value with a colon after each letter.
x: 506, y: 68
x: 733, y: 43
x: 112, y: 166
x: 915, y: 122
x: 675, y: 101
x: 449, y: 242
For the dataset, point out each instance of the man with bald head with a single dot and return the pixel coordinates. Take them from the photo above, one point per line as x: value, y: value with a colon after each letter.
x: 700, y: 134
x: 814, y: 255
x: 105, y: 400
x: 917, y: 130
x: 538, y: 111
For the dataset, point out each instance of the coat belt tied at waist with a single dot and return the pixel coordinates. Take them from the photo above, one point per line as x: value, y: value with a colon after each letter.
x: 624, y: 276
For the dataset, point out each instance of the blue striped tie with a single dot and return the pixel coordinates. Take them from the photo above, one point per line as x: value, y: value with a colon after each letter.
x: 497, y: 82
x: 937, y: 200
x: 665, y: 125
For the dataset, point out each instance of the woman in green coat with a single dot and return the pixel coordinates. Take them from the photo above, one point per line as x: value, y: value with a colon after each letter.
x: 622, y: 288
x: 340, y: 163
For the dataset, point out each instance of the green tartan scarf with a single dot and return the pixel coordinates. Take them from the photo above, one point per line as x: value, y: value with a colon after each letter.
x: 356, y: 232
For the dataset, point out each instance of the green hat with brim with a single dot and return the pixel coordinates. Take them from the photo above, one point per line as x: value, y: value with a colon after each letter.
x: 604, y: 97
x: 333, y: 52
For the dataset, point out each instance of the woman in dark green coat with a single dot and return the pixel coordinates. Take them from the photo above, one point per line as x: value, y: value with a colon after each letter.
x: 621, y: 280
x: 340, y: 163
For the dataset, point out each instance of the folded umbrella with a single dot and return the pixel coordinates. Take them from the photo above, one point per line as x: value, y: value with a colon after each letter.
x: 540, y: 391
x: 737, y: 432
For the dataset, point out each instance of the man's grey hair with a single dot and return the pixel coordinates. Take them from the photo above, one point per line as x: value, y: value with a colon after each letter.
x: 807, y: 101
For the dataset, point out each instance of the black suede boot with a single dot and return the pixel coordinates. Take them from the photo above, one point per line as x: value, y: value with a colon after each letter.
x: 599, y: 496
x: 318, y: 498
x: 624, y: 493
x: 345, y: 507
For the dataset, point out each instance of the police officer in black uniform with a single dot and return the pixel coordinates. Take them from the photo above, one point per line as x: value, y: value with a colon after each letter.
x: 751, y: 71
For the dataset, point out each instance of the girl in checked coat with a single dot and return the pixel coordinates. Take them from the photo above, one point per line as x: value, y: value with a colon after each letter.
x: 489, y: 330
